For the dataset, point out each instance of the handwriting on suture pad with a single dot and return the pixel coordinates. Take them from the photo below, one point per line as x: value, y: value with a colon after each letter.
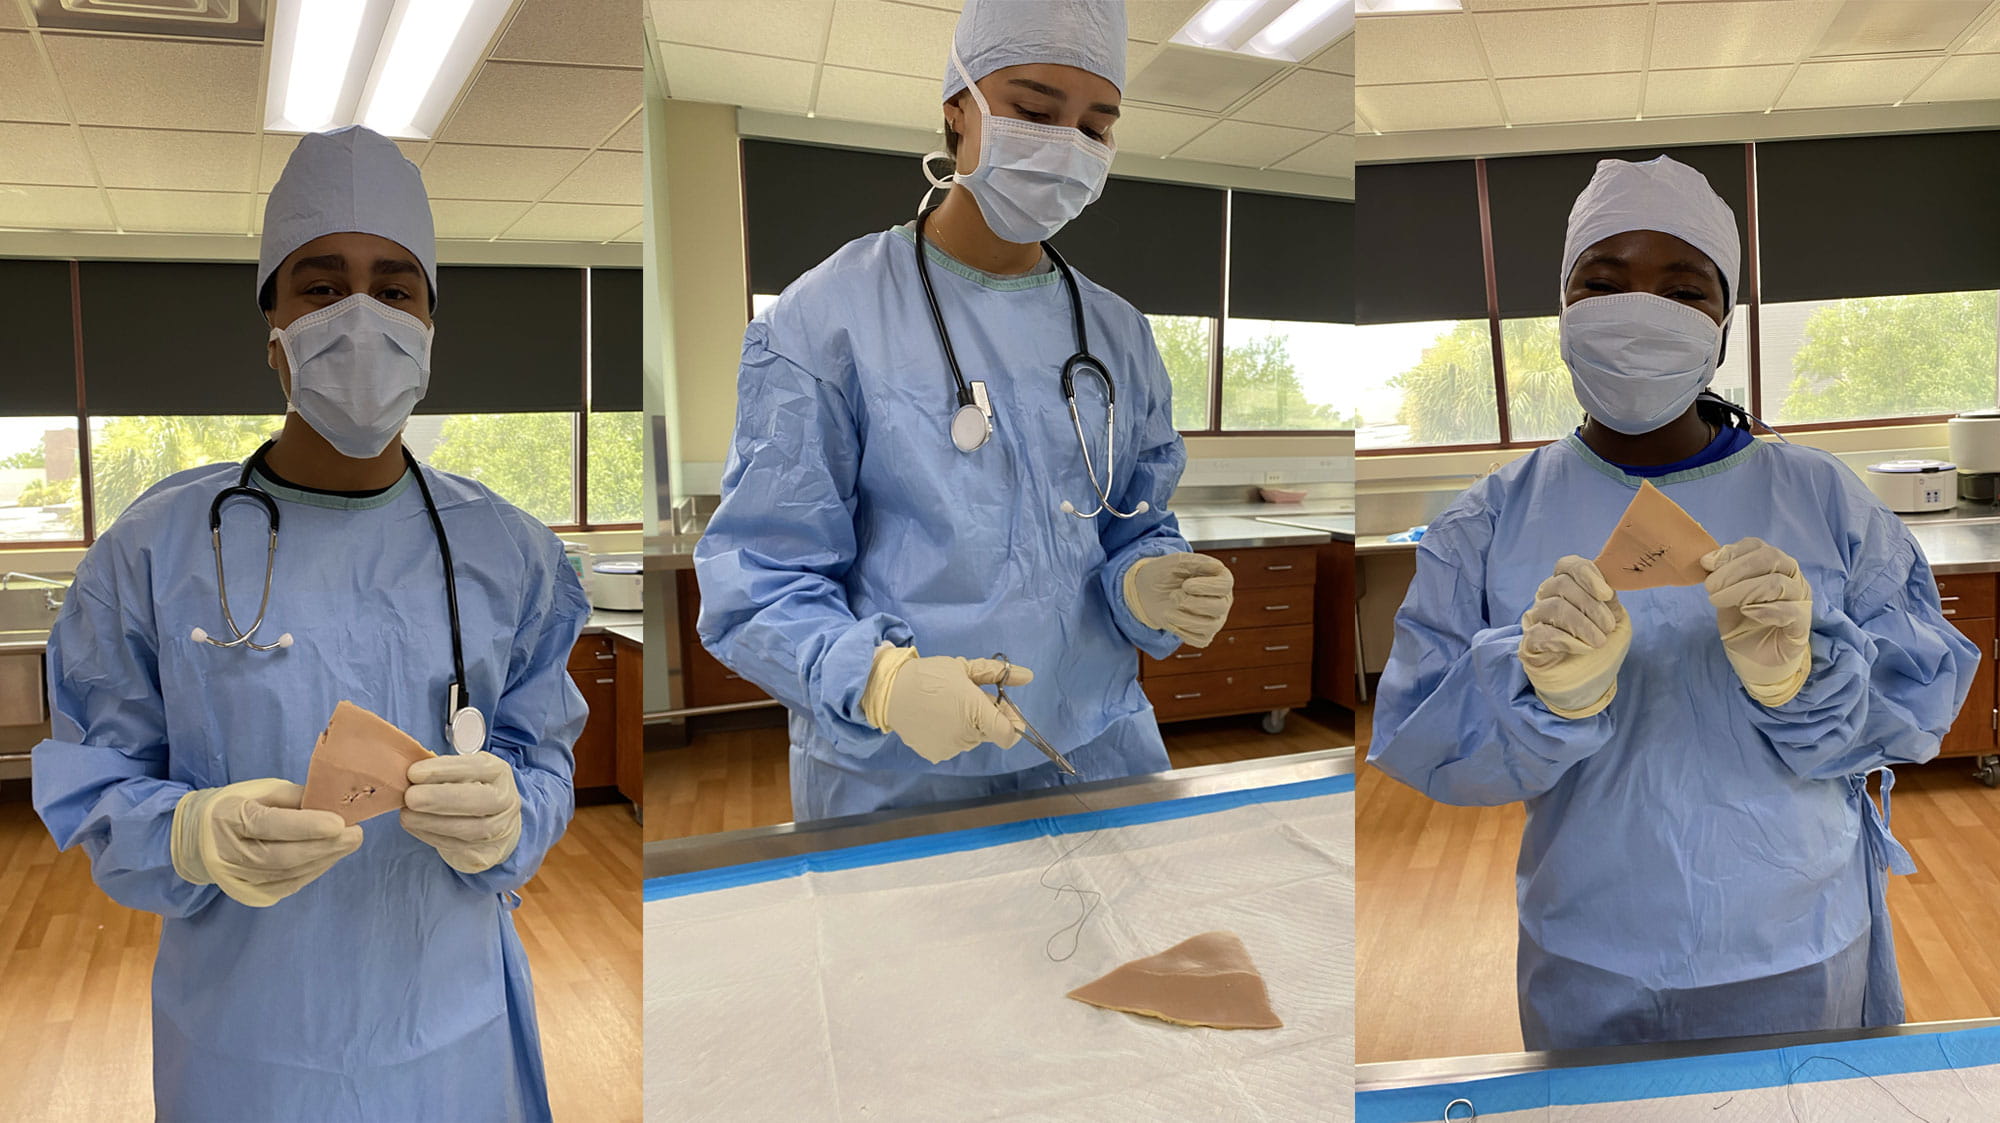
x: 1648, y: 560
x: 359, y: 794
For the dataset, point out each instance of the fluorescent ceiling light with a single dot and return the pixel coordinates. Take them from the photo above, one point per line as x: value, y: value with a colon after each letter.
x: 393, y: 65
x: 1289, y: 30
x: 1395, y: 7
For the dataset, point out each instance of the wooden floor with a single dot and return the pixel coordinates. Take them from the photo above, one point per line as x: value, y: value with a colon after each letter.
x: 1435, y: 928
x: 76, y: 969
x: 733, y: 774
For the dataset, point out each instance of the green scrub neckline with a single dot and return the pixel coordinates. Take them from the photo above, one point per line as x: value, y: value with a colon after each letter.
x: 979, y: 276
x: 332, y: 502
x: 1714, y: 468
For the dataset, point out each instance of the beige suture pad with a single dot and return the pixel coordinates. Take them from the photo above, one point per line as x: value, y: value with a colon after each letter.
x: 1656, y: 544
x: 360, y: 766
x: 1205, y: 981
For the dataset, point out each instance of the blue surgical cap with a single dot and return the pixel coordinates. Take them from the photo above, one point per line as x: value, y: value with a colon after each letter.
x: 994, y: 34
x: 348, y: 181
x: 1661, y: 194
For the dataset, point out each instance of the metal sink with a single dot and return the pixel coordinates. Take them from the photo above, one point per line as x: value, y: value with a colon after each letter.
x: 10, y: 637
x: 32, y: 608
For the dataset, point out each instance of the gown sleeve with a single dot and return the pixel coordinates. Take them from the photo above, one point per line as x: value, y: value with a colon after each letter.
x: 1156, y: 473
x: 101, y: 779
x: 539, y: 717
x: 1889, y: 672
x: 772, y: 559
x: 1455, y: 716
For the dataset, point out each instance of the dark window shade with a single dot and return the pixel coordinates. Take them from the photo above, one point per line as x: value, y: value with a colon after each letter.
x: 509, y: 340
x: 1530, y: 197
x: 1419, y: 251
x: 1291, y: 258
x: 1879, y: 215
x: 615, y: 365
x: 1158, y: 245
x: 174, y: 339
x: 38, y: 359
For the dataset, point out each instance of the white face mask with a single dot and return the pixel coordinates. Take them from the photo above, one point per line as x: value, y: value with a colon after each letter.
x: 1637, y: 360
x: 1032, y: 178
x: 358, y: 368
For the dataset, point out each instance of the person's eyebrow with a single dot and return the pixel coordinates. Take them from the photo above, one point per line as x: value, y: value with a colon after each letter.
x: 395, y: 265
x: 1699, y: 268
x: 1600, y: 257
x: 1060, y: 95
x: 328, y: 261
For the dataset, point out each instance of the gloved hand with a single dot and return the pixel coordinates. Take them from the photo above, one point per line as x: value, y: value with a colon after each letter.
x: 1574, y: 639
x: 935, y: 705
x: 466, y: 807
x: 251, y: 840
x: 1763, y: 608
x: 1186, y: 594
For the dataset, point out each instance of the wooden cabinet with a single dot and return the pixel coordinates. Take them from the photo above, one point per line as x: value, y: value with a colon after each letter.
x: 1968, y: 600
x: 707, y: 681
x: 1262, y: 660
x: 629, y: 739
x: 593, y: 667
x: 1335, y: 643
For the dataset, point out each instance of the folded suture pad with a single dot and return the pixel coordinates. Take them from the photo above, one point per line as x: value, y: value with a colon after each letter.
x: 360, y: 766
x: 1656, y: 544
x: 919, y: 984
x: 1206, y: 980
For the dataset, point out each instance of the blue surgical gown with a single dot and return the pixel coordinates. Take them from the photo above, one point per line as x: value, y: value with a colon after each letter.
x: 1694, y: 864
x: 849, y: 519
x: 391, y: 987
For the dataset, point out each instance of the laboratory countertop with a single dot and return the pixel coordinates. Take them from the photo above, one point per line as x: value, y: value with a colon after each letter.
x: 730, y: 848
x: 1452, y: 1070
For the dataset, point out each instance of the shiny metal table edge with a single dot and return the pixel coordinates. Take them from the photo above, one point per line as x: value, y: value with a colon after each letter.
x: 729, y: 848
x: 1383, y: 1075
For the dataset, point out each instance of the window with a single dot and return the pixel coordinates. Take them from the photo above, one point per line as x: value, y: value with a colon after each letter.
x: 128, y: 455
x: 1881, y: 356
x: 38, y: 480
x: 1187, y: 349
x: 617, y: 468
x: 1285, y: 375
x: 1422, y: 384
x: 529, y: 459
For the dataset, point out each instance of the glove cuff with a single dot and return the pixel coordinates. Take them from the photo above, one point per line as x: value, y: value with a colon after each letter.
x: 1777, y: 694
x: 889, y: 659
x: 1132, y: 599
x: 185, y: 837
x: 1591, y: 710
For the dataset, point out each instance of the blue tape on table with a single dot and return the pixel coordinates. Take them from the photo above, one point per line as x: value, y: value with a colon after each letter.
x: 1688, y: 1076
x: 978, y: 838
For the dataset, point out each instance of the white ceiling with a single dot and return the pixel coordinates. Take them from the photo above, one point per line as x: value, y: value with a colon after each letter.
x: 1505, y: 63
x: 880, y: 62
x: 145, y: 135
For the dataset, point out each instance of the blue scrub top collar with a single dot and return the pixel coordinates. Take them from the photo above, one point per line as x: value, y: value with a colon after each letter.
x: 1716, y: 468
x: 331, y: 502
x: 942, y: 260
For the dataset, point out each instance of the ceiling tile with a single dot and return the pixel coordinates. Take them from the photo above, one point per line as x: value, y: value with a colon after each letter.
x: 1854, y: 82
x: 467, y: 171
x: 573, y: 222
x: 599, y: 32
x: 277, y: 149
x: 1986, y: 39
x: 1156, y: 21
x: 553, y: 106
x: 1736, y: 34
x: 630, y: 138
x: 47, y: 154
x: 181, y: 212
x: 1337, y: 59
x: 607, y: 177
x: 173, y: 160
x: 27, y: 94
x: 1972, y: 78
x: 1428, y: 48
x: 1333, y: 156
x: 882, y: 99
x: 10, y: 16
x: 1517, y: 5
x: 1694, y: 93
x: 1591, y: 97
x: 162, y: 83
x: 793, y: 29
x: 635, y: 234
x: 1145, y: 131
x: 896, y: 38
x: 1532, y: 44
x: 53, y: 208
x: 727, y: 78
x: 1245, y: 145
x: 1440, y: 105
x: 1305, y: 99
x: 458, y: 218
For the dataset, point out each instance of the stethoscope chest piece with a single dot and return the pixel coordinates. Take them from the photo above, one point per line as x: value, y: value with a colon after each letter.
x: 970, y: 428
x: 467, y: 727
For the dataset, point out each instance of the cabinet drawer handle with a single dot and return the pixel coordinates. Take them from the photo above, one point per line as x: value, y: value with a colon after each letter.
x: 1279, y: 686
x: 1947, y: 600
x: 1277, y: 608
x: 606, y: 681
x: 605, y: 656
x: 1195, y: 655
x: 1186, y: 697
x: 1951, y: 612
x: 1277, y: 647
x: 1276, y: 568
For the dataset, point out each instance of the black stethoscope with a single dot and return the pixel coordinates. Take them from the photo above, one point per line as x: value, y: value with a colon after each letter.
x: 972, y: 421
x: 465, y: 726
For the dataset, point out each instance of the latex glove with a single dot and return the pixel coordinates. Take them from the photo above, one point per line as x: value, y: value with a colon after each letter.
x: 466, y: 807
x: 935, y: 705
x: 1763, y: 608
x: 1574, y: 639
x: 251, y: 840
x: 1186, y: 594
